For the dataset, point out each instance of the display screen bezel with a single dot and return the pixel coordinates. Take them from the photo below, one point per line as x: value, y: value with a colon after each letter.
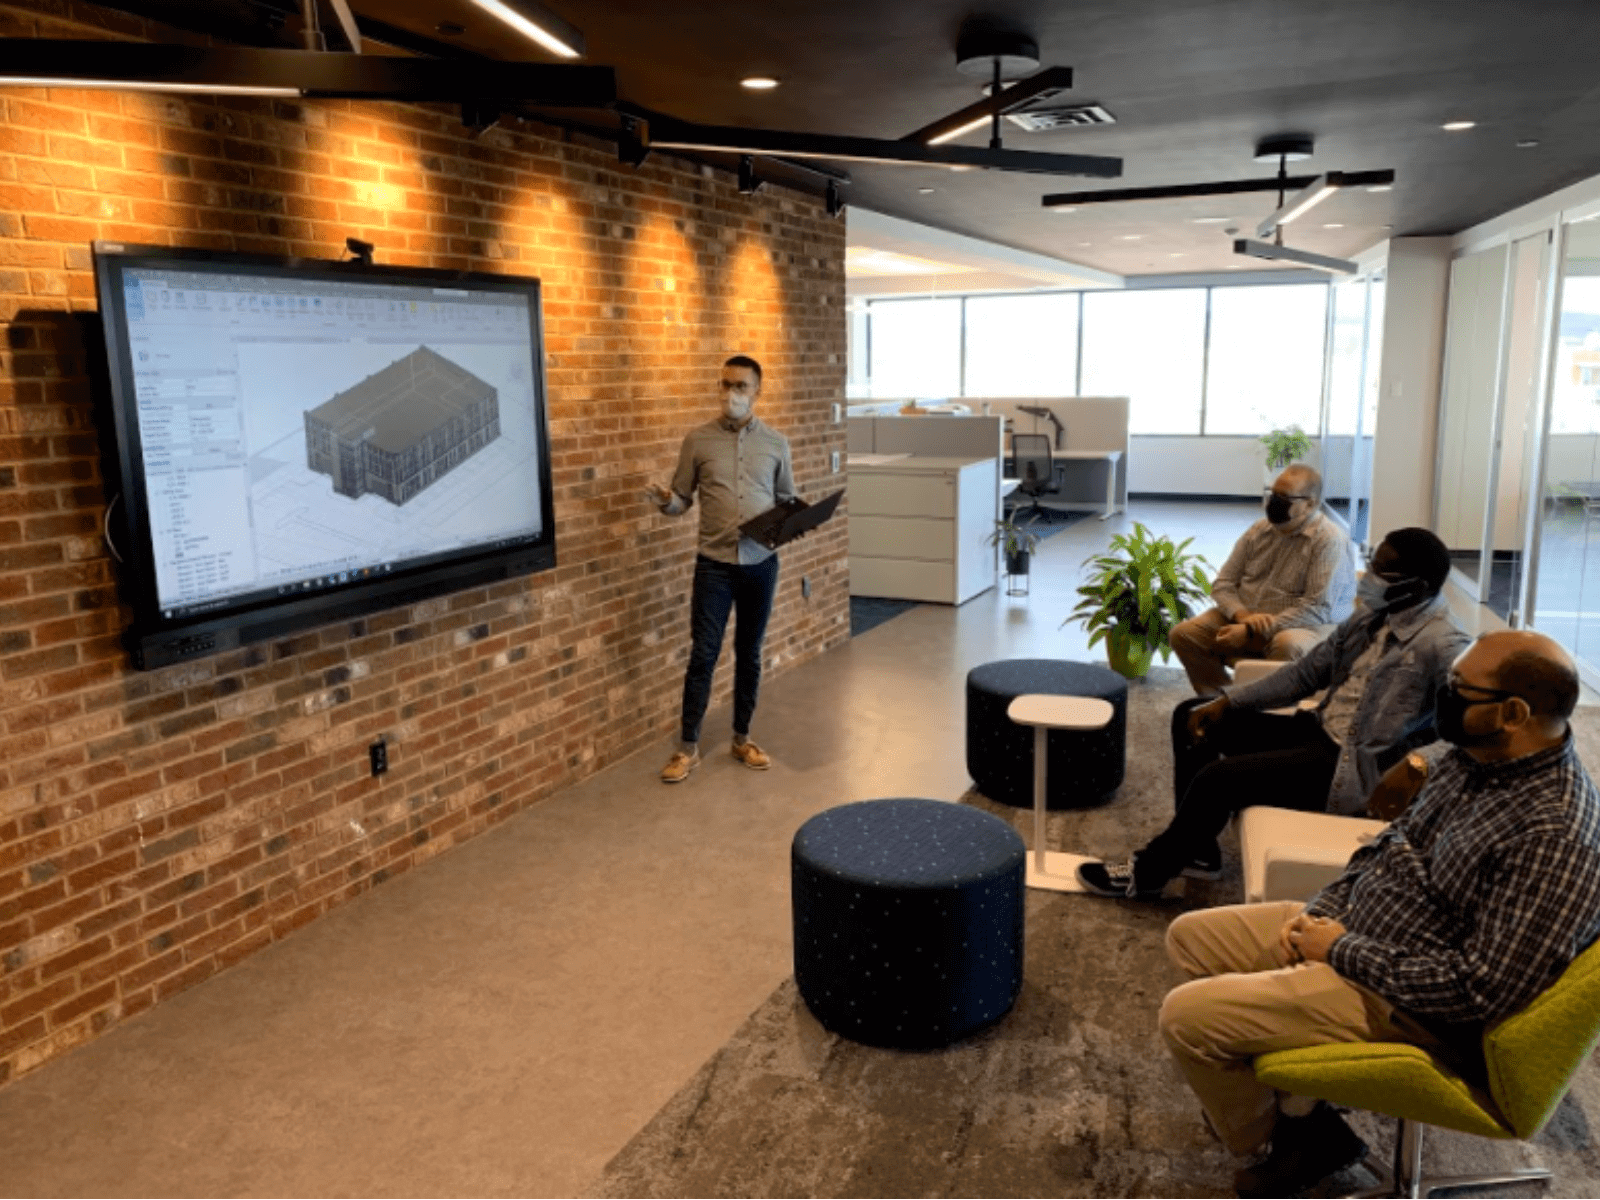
x: 155, y: 636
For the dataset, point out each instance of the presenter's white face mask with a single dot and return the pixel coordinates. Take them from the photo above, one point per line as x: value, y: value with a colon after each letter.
x: 739, y: 387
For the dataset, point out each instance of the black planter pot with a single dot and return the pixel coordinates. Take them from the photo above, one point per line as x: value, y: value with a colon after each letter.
x: 1017, y: 563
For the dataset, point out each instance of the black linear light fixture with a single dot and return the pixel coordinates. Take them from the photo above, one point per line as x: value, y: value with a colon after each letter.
x: 980, y: 50
x: 666, y: 133
x: 230, y: 70
x: 538, y: 24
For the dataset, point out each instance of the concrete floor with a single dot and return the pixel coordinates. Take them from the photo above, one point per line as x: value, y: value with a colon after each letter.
x: 504, y: 1019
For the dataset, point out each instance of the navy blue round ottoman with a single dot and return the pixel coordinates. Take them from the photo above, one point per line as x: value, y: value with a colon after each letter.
x: 907, y: 920
x: 1084, y: 768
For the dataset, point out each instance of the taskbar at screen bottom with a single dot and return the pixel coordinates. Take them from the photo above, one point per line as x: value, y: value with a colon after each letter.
x: 311, y: 585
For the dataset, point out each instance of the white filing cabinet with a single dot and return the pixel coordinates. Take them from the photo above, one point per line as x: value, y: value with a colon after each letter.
x: 918, y: 527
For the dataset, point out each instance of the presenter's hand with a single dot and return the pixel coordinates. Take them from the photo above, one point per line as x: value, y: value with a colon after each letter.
x: 662, y: 496
x: 1398, y: 787
x: 1202, y: 717
x: 1233, y: 638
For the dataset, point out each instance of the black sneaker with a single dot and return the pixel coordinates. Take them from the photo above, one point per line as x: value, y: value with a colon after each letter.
x: 1204, y: 866
x: 1116, y: 880
x: 1305, y: 1150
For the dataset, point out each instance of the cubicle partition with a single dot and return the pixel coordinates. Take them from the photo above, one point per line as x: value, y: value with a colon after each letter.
x: 1090, y: 435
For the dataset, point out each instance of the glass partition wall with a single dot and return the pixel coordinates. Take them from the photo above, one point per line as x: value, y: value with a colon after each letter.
x: 1564, y: 593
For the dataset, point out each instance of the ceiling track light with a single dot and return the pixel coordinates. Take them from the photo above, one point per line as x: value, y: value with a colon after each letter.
x: 749, y: 182
x: 1302, y: 202
x: 833, y: 198
x: 1304, y: 258
x: 538, y: 24
x: 234, y: 70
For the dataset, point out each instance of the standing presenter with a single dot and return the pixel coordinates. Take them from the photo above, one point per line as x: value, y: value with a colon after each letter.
x: 740, y: 468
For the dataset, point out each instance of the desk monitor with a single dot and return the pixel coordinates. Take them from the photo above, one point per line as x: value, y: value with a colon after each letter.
x: 301, y: 441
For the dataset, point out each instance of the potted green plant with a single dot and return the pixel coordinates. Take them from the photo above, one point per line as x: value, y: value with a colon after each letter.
x: 1136, y: 593
x: 1018, y: 542
x: 1284, y: 446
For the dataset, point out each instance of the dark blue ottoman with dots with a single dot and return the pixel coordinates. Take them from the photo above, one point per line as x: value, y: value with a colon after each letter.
x: 1084, y: 769
x: 907, y: 920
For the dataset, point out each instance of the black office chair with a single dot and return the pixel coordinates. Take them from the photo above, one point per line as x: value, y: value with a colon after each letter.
x: 1035, y: 466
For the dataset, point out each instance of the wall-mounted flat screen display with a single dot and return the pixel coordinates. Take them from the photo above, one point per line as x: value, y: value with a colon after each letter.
x: 302, y: 441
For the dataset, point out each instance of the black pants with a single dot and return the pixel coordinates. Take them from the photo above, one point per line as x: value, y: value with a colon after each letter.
x: 720, y: 588
x: 1246, y: 758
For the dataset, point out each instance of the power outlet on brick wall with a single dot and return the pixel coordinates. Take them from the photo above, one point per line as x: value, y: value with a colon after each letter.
x: 378, y: 755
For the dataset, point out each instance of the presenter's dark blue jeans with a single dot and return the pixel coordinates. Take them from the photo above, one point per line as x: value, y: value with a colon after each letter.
x: 719, y: 588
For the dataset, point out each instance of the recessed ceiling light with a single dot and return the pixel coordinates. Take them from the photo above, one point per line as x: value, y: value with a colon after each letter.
x: 1066, y: 209
x: 1176, y: 254
x: 758, y: 83
x: 1212, y: 220
x: 924, y: 191
x: 1233, y: 267
x: 961, y: 167
x: 1333, y: 225
x: 1084, y: 245
x: 1457, y: 126
x: 1129, y: 237
x: 1381, y: 187
x: 1527, y: 143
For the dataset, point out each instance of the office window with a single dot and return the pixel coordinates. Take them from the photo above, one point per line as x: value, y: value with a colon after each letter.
x: 916, y: 348
x: 1265, y: 364
x: 1150, y: 347
x: 1022, y: 345
x: 1346, y: 352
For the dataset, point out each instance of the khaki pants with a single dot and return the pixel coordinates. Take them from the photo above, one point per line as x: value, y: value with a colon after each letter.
x: 1242, y: 1000
x: 1194, y: 641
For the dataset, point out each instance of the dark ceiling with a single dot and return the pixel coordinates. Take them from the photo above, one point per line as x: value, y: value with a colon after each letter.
x: 1192, y: 84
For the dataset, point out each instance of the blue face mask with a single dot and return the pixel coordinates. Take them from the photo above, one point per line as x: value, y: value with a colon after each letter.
x: 1378, y: 594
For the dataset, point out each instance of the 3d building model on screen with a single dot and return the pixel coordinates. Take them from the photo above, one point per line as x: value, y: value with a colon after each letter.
x: 398, y: 431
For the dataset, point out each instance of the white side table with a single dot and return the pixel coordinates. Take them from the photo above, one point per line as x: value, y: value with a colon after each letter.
x: 1054, y: 871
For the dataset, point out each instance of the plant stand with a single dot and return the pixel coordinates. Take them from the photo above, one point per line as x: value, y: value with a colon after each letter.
x: 1017, y: 573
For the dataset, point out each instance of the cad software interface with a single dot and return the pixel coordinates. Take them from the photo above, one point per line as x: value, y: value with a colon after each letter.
x: 226, y: 369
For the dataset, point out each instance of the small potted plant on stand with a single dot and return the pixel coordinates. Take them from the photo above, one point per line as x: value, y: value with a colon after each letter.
x: 1018, y: 543
x: 1136, y: 593
x: 1284, y: 446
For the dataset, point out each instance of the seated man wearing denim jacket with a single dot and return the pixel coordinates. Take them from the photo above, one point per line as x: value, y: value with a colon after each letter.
x: 1382, y: 669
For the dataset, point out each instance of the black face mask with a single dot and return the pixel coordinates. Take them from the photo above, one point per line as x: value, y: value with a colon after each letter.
x: 1278, y: 509
x: 1449, y: 718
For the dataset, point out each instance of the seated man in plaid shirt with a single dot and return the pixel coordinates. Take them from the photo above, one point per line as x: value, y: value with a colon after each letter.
x: 1456, y: 916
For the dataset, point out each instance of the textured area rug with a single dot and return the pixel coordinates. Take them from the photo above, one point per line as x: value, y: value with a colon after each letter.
x: 1058, y: 521
x: 868, y: 612
x: 1072, y: 1094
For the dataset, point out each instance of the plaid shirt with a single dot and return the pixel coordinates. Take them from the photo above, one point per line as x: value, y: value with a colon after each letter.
x: 1476, y: 899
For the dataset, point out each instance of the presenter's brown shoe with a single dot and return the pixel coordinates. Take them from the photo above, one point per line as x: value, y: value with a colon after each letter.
x: 751, y: 755
x: 679, y: 766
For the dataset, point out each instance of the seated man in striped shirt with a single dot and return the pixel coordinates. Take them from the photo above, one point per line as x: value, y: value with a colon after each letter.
x: 1457, y: 915
x: 1288, y: 581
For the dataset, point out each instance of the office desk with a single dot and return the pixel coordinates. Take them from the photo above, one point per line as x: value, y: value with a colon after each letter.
x: 1061, y: 457
x: 918, y: 527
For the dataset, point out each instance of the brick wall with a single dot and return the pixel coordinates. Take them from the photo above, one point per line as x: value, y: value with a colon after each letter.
x: 156, y: 827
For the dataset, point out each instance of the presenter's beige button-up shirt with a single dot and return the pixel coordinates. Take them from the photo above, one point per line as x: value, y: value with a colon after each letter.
x: 738, y: 473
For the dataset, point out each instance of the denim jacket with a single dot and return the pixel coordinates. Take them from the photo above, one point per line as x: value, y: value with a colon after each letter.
x: 1395, y: 711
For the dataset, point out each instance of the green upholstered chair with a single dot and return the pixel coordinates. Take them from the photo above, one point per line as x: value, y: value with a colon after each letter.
x: 1532, y: 1056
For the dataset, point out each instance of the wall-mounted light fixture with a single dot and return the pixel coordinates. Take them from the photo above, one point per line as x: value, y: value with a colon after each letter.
x: 538, y: 24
